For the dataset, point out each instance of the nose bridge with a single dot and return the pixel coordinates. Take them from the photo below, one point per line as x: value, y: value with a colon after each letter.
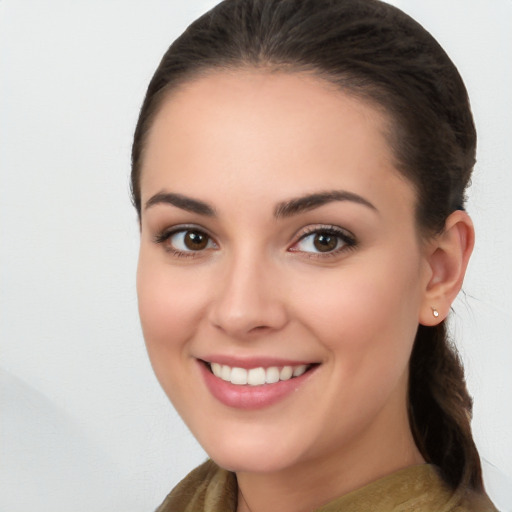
x: 248, y: 297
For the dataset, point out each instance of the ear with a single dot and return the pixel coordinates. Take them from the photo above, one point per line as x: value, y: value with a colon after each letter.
x: 447, y: 258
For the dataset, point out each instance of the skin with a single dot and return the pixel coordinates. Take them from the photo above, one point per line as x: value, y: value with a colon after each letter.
x: 244, y: 142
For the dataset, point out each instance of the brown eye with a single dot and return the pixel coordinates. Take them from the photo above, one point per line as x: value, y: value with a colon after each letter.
x: 189, y: 240
x: 330, y: 240
x: 325, y: 242
x: 195, y: 241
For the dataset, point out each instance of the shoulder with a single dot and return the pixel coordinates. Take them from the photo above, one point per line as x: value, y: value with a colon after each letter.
x: 414, y: 489
x: 207, y: 488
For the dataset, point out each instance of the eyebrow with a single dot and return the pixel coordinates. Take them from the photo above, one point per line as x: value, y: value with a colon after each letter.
x: 181, y: 201
x: 311, y: 201
x: 287, y: 208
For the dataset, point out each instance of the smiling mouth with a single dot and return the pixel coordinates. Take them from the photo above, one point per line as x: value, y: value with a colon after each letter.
x: 256, y: 376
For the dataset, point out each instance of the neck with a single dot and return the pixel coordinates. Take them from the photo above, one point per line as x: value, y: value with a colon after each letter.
x: 308, y: 490
x: 316, y: 482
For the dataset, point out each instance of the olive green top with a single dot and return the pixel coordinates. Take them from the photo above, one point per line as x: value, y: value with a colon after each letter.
x: 418, y: 488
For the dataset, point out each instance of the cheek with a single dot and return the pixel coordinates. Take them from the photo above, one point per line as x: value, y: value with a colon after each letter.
x: 170, y: 303
x: 366, y: 321
x: 170, y: 307
x: 365, y: 311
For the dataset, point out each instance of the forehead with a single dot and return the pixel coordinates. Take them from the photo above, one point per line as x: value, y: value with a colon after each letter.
x: 292, y: 130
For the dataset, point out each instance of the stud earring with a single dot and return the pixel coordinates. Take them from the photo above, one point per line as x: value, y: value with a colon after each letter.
x: 435, y: 312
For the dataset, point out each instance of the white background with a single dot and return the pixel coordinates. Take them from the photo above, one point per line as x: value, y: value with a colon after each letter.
x: 84, y: 425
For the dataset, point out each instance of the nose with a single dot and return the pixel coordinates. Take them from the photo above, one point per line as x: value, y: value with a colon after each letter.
x: 249, y: 299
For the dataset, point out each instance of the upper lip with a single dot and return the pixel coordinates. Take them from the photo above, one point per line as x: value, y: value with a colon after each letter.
x: 253, y: 362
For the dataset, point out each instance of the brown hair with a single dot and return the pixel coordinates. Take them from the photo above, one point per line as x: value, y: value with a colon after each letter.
x: 378, y: 53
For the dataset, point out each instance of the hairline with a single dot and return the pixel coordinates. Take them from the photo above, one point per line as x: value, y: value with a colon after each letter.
x: 341, y: 82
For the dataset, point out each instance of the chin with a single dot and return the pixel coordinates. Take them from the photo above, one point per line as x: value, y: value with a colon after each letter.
x: 253, y: 454
x: 250, y: 462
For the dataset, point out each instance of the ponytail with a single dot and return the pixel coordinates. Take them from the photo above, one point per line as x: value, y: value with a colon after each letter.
x: 440, y: 409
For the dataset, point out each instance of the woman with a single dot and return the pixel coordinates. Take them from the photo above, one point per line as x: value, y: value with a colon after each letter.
x: 299, y: 169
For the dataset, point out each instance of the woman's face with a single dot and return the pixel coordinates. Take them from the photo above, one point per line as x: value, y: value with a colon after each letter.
x: 277, y: 237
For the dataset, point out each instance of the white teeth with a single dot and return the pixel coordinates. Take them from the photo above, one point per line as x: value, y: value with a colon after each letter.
x: 225, y: 373
x: 256, y: 376
x: 216, y: 369
x: 299, y: 370
x: 272, y: 375
x: 238, y: 376
x: 286, y: 373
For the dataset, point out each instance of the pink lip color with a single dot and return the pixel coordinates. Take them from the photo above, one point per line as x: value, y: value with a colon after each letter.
x: 251, y: 397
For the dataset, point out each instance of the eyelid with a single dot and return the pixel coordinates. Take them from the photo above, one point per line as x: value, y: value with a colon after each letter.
x: 169, y: 231
x: 348, y: 239
x: 324, y: 228
x: 165, y: 234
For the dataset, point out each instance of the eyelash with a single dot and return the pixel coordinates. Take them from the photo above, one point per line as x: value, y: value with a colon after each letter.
x: 166, y: 235
x: 348, y: 241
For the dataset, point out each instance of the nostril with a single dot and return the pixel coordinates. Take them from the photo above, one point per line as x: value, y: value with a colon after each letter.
x: 259, y: 328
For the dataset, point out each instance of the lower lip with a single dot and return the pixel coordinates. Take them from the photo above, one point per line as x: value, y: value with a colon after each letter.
x: 251, y: 397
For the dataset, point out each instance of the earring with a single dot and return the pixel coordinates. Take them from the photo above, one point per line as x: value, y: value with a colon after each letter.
x: 435, y: 312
